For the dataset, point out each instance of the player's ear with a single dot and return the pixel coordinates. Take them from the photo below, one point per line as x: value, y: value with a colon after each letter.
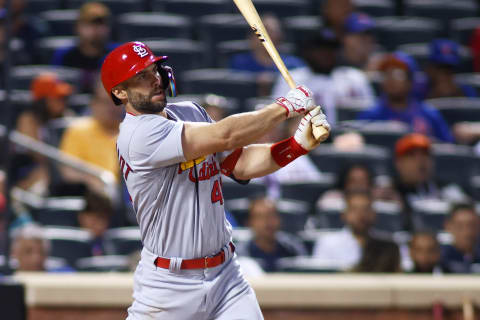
x: 120, y: 92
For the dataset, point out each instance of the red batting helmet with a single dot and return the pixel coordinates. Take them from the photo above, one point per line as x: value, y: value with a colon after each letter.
x: 129, y: 59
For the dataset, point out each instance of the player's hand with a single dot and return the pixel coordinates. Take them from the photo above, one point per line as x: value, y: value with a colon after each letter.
x: 298, y: 101
x: 304, y: 135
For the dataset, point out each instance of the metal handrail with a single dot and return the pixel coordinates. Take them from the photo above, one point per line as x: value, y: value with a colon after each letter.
x: 55, y: 154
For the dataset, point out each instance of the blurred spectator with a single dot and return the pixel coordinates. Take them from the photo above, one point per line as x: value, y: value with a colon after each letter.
x: 358, y: 41
x: 335, y: 13
x: 425, y: 253
x: 259, y: 61
x: 379, y: 256
x: 414, y: 176
x: 348, y: 248
x: 29, y: 29
x: 216, y: 106
x: 268, y: 243
x: 30, y: 249
x: 444, y: 59
x: 330, y: 85
x: 92, y: 139
x: 399, y: 103
x: 93, y: 31
x: 463, y: 255
x: 96, y: 218
x: 49, y: 102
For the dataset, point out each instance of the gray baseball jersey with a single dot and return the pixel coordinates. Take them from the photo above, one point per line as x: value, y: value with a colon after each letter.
x: 179, y: 206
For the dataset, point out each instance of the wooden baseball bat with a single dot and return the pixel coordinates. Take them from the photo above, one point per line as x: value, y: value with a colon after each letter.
x: 250, y: 14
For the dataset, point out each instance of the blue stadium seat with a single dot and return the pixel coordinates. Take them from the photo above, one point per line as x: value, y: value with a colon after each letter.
x: 216, y: 28
x: 470, y: 79
x: 49, y: 45
x: 300, y: 28
x: 238, y: 207
x: 431, y: 213
x: 455, y: 163
x: 226, y: 82
x: 308, y: 191
x: 376, y: 8
x: 22, y: 75
x: 389, y: 216
x: 378, y: 133
x: 421, y: 53
x: 456, y: 110
x: 131, y: 26
x: 116, y: 6
x: 34, y: 7
x: 443, y: 11
x: 462, y: 29
x: 193, y: 8
x: 108, y: 263
x: 282, y: 8
x: 394, y: 31
x: 123, y: 241
x: 293, y: 214
x: 70, y: 244
x: 60, y: 22
x: 328, y: 159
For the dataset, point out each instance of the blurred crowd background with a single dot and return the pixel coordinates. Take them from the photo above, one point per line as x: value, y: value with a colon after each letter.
x: 394, y: 189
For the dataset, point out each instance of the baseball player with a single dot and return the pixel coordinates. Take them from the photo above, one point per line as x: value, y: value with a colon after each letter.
x: 171, y: 159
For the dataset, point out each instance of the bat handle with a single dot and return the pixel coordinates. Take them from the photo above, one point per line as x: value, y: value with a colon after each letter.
x: 319, y: 132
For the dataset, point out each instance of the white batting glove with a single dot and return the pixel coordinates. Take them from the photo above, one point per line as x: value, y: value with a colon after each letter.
x: 297, y: 101
x: 304, y: 134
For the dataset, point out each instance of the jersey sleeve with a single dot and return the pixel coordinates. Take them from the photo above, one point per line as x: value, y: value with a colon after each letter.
x: 157, y: 142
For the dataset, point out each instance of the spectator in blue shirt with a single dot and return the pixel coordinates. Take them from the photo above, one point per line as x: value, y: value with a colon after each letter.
x: 268, y: 244
x: 398, y: 101
x: 463, y: 255
x: 93, y: 30
x: 444, y: 60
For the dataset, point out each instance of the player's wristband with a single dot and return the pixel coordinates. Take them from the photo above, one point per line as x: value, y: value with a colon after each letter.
x: 286, y: 151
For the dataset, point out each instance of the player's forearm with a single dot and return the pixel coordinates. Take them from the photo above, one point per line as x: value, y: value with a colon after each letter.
x: 245, y: 128
x: 256, y: 161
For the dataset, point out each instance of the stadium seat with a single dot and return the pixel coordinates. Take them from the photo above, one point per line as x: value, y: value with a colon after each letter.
x: 183, y: 54
x: 388, y: 216
x: 300, y: 28
x: 308, y: 191
x: 123, y: 241
x: 80, y: 102
x: 432, y: 213
x: 307, y: 265
x: 60, y: 22
x: 70, y: 244
x: 455, y: 163
x: 421, y: 53
x: 238, y: 207
x: 116, y: 6
x: 282, y: 8
x: 226, y: 82
x: 106, y: 263
x: 461, y: 29
x: 456, y: 110
x: 470, y: 79
x: 232, y: 106
x: 227, y: 49
x: 22, y: 75
x: 35, y: 7
x: 216, y: 28
x: 193, y: 8
x: 153, y: 25
x: 394, y: 31
x: 234, y: 190
x: 443, y: 11
x: 49, y: 45
x: 377, y: 133
x: 474, y: 186
x: 348, y: 109
x: 329, y: 159
x: 375, y: 8
x: 293, y: 214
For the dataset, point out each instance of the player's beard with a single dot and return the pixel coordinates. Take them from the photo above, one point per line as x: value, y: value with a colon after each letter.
x: 144, y: 104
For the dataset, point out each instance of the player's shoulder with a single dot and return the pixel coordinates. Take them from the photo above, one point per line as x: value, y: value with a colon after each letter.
x: 188, y: 111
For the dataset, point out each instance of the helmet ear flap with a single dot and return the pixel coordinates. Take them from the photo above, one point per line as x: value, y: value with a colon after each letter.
x: 168, y: 79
